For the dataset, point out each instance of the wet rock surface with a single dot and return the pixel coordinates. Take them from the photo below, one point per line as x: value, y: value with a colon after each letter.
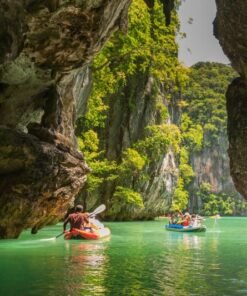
x: 46, y: 47
x: 230, y: 27
x: 237, y: 133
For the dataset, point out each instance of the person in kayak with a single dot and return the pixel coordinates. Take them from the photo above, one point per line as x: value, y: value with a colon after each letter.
x: 176, y: 218
x: 186, y: 220
x: 77, y: 220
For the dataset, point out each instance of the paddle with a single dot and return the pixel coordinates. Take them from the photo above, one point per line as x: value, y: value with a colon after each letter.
x: 59, y: 234
x: 97, y: 211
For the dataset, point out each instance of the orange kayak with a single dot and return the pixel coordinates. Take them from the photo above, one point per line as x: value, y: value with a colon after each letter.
x: 86, y: 234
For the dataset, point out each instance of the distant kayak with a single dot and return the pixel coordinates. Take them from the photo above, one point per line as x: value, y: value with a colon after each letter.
x: 180, y: 228
x: 87, y: 234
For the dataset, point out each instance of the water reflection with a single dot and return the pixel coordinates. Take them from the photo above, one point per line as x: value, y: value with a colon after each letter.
x: 187, y: 241
x: 85, y: 268
x: 141, y: 258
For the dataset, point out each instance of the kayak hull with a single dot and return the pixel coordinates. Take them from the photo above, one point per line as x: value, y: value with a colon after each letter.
x: 85, y: 234
x: 201, y: 228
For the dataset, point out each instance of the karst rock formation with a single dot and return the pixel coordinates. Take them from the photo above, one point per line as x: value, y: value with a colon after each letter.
x: 230, y: 27
x: 45, y: 49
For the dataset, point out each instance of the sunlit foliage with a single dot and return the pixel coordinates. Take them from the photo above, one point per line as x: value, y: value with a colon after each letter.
x: 204, y: 102
x: 150, y: 48
x: 219, y: 203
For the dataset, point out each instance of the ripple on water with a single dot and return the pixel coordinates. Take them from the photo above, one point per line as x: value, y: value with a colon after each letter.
x: 141, y: 258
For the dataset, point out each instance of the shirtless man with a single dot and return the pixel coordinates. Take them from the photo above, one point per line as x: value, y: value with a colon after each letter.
x: 77, y: 220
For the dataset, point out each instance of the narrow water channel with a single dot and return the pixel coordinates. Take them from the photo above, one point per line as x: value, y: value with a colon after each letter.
x: 140, y: 258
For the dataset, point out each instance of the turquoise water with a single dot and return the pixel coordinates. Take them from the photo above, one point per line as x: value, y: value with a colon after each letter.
x: 140, y: 258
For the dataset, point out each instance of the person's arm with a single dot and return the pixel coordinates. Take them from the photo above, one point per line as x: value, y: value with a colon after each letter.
x: 86, y: 218
x: 66, y: 221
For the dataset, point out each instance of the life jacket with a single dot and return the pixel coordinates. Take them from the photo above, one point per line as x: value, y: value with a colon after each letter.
x: 186, y: 223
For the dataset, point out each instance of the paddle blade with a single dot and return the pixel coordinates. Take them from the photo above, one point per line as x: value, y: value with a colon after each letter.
x: 98, y: 210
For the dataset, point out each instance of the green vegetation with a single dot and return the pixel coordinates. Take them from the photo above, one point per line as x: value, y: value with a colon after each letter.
x: 203, y: 125
x: 103, y: 169
x: 149, y: 47
x: 204, y: 105
x: 149, y: 50
x: 220, y: 203
x: 158, y: 139
x: 180, y: 197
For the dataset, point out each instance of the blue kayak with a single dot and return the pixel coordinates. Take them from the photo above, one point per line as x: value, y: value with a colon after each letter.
x: 181, y: 228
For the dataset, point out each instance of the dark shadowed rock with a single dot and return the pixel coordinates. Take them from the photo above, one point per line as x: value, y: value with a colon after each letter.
x: 230, y: 27
x: 237, y: 133
x: 38, y: 181
x: 46, y: 47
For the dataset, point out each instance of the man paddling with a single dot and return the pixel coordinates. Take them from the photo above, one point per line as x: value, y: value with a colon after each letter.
x: 77, y: 220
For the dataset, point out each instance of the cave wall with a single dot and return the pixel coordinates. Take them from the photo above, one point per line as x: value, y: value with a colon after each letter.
x: 230, y: 29
x: 46, y: 47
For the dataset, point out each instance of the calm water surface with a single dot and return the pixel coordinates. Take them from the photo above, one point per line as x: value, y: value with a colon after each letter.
x: 140, y: 258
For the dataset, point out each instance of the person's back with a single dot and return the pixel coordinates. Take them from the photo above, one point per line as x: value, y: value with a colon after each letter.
x: 77, y: 219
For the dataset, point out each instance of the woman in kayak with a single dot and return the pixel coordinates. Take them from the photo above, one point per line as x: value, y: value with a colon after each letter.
x: 186, y: 220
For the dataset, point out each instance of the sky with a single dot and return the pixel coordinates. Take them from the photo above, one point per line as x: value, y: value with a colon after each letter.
x: 200, y: 43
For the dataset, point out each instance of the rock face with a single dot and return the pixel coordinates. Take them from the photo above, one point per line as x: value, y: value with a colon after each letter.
x: 38, y: 180
x: 211, y: 165
x: 159, y: 190
x: 45, y: 49
x: 131, y: 111
x: 237, y: 133
x: 230, y: 29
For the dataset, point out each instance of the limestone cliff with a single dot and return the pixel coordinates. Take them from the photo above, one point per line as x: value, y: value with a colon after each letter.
x: 205, y: 111
x: 45, y: 49
x: 230, y: 29
x: 211, y: 166
x: 132, y: 110
x: 134, y: 77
